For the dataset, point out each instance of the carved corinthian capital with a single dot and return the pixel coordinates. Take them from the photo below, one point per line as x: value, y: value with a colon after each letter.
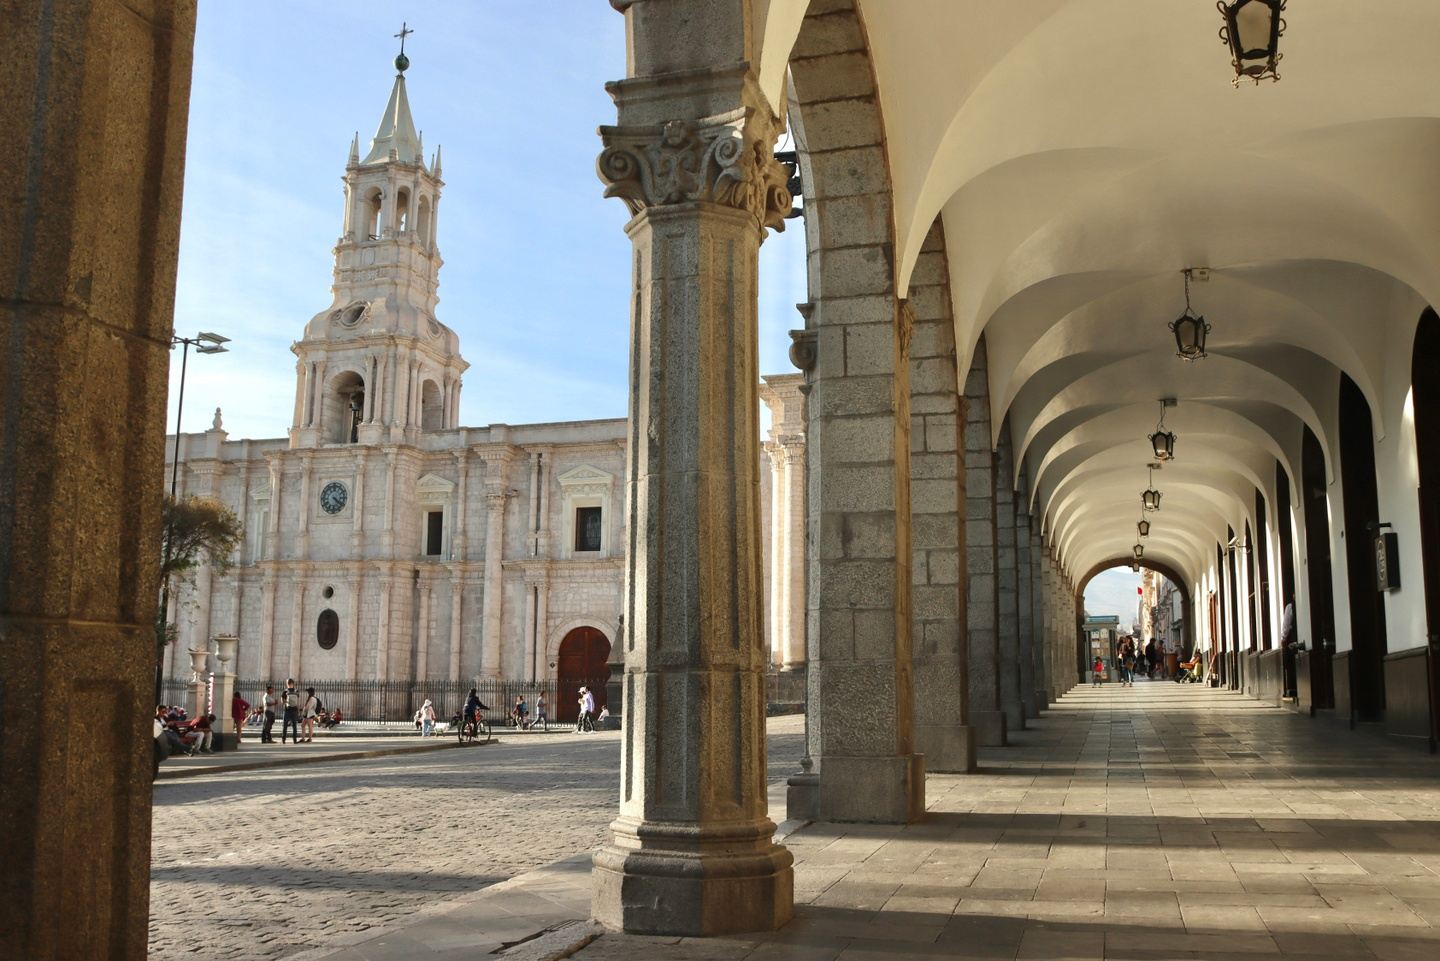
x: 718, y: 159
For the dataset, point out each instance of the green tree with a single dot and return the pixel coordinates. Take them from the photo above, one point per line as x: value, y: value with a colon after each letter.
x: 196, y: 531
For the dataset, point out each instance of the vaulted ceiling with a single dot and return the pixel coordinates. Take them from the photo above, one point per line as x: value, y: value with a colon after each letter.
x: 1081, y: 153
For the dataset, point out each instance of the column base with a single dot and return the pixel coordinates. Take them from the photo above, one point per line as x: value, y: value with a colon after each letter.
x: 947, y: 748
x: 1014, y: 717
x: 871, y: 790
x: 1042, y: 701
x: 692, y: 880
x: 990, y: 729
x: 1028, y: 706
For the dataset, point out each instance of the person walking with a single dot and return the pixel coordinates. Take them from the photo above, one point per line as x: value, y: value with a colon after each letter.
x: 268, y: 701
x: 239, y: 711
x: 540, y: 717
x: 1097, y: 671
x: 1288, y: 650
x: 427, y: 718
x: 585, y: 724
x: 290, y: 702
x: 308, y: 713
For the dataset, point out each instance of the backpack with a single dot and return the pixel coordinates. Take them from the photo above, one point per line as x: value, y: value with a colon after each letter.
x: 319, y: 705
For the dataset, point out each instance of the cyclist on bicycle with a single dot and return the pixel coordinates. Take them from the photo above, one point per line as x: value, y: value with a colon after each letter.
x: 473, y: 706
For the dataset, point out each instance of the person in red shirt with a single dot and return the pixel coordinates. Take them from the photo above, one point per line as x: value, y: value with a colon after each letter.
x: 239, y: 712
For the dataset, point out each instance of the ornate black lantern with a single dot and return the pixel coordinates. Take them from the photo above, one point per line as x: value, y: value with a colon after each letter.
x: 1135, y: 566
x: 1252, y: 32
x: 1188, y: 329
x: 1139, y: 551
x: 1150, y: 498
x: 1163, y: 441
x: 1143, y: 528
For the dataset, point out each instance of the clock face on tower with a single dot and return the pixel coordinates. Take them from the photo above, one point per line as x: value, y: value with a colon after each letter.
x: 333, y: 497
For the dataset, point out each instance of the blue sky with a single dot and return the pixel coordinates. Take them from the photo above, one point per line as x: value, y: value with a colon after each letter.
x: 536, y: 275
x: 1113, y: 592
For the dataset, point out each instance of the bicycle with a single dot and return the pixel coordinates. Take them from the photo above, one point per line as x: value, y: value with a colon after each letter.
x: 474, y: 729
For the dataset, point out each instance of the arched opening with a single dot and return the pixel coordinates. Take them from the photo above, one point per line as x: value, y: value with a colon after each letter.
x: 1224, y: 633
x: 583, y: 661
x: 422, y: 220
x: 1260, y: 571
x: 343, y: 408
x: 402, y: 211
x: 373, y: 204
x: 432, y: 407
x: 1286, y: 547
x: 1106, y: 601
x: 1315, y: 688
x: 1362, y: 512
x: 1425, y: 400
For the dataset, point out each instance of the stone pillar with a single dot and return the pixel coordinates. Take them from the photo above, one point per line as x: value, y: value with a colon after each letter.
x: 982, y: 589
x: 352, y: 633
x: 297, y: 625
x: 226, y: 738
x: 692, y: 851
x: 382, y: 627
x: 937, y: 469
x: 458, y: 537
x: 422, y: 632
x: 1037, y: 617
x: 792, y: 655
x: 268, y: 585
x: 494, y: 581
x: 775, y: 601
x: 1007, y: 586
x: 457, y: 600
x: 1025, y: 582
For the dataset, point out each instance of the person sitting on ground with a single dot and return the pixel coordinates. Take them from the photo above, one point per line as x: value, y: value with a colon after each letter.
x: 329, y: 719
x: 1187, y: 669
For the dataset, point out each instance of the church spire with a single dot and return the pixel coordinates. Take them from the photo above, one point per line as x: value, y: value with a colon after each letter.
x: 396, y: 132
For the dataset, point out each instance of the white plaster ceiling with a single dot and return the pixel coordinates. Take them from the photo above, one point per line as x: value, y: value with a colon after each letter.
x: 1082, y: 153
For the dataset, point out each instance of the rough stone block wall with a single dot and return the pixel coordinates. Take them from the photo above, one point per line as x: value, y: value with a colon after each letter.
x: 937, y: 477
x: 982, y: 583
x: 1007, y: 586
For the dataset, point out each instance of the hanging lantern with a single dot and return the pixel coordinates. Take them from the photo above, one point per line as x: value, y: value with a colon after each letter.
x: 1252, y: 31
x: 1150, y: 499
x: 1163, y: 442
x: 1144, y: 528
x: 1189, y: 330
x: 1139, y: 551
x: 1135, y: 566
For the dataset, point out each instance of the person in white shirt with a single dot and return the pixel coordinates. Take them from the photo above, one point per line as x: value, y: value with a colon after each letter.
x: 586, y: 723
x: 308, y: 714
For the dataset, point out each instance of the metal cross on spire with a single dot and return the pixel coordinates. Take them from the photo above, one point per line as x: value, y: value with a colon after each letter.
x: 402, y: 61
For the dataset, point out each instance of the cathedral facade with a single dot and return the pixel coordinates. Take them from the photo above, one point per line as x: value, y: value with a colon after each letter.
x: 382, y: 539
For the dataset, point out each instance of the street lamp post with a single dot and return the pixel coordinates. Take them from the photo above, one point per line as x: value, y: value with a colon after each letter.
x: 204, y: 343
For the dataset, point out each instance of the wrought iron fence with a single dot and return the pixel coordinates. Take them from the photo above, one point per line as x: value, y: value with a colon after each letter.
x: 397, y: 701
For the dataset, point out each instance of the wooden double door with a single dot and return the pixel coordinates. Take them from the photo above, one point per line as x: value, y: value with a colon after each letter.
x: 584, y: 660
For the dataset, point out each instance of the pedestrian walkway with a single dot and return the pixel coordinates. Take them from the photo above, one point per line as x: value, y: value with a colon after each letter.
x: 1154, y: 822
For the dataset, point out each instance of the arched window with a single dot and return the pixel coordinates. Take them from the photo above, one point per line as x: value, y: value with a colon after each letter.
x: 343, y: 409
x: 422, y: 220
x: 432, y: 407
x: 402, y: 212
x: 372, y: 215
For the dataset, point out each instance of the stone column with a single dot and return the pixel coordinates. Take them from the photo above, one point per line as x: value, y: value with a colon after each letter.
x: 458, y: 537
x: 692, y: 851
x: 422, y: 631
x: 352, y: 634
x: 1025, y: 590
x: 267, y: 624
x: 982, y: 589
x: 937, y: 467
x: 1007, y: 587
x: 382, y: 628
x: 297, y: 625
x: 457, y: 600
x: 1037, y: 617
x: 775, y: 606
x: 792, y: 656
x: 494, y: 581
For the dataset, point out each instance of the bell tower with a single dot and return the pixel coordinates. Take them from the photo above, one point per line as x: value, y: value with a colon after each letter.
x: 376, y: 366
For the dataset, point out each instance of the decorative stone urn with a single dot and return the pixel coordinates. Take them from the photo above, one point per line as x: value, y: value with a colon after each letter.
x: 197, y: 664
x: 225, y: 650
